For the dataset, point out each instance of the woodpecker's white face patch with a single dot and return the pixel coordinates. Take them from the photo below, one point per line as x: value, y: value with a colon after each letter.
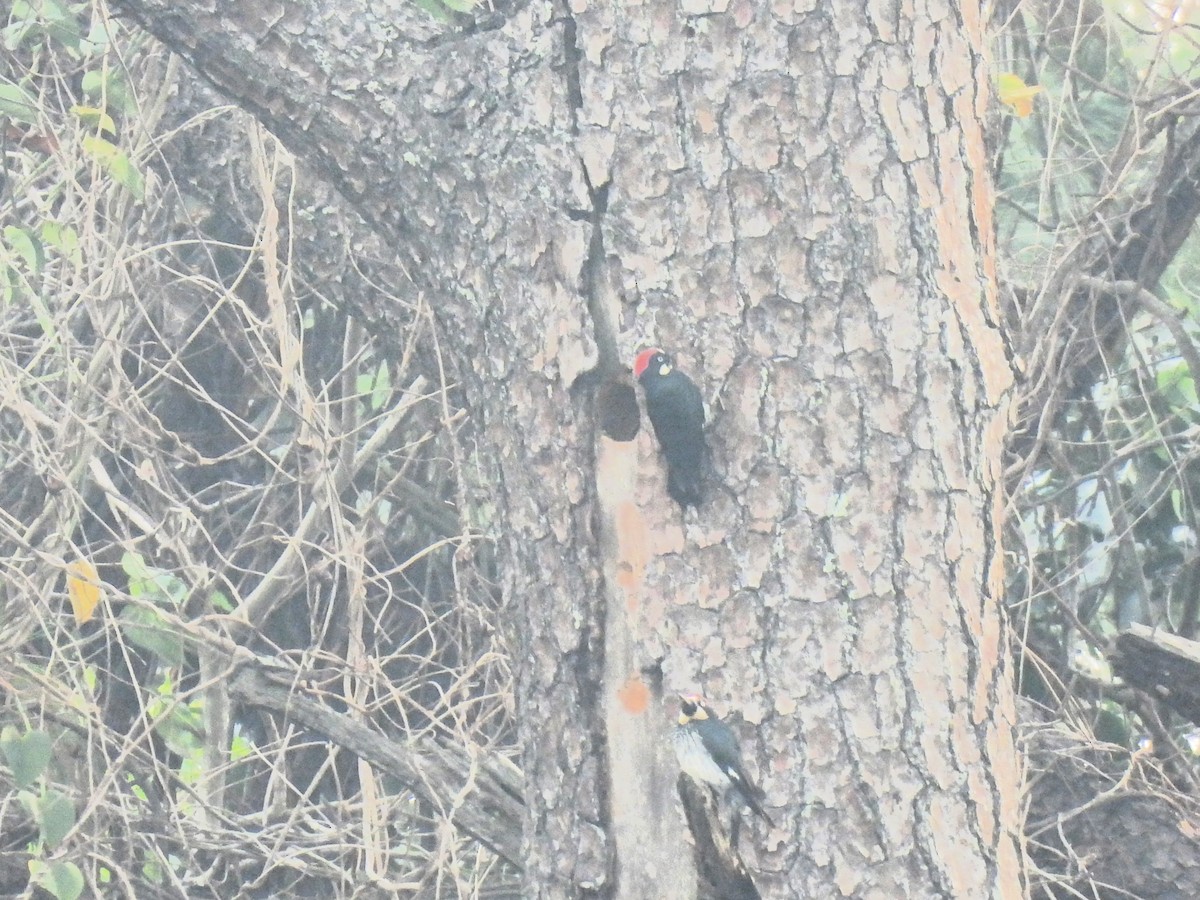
x: 691, y: 708
x: 664, y: 369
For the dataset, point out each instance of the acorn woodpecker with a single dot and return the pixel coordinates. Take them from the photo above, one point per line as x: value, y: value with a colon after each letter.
x: 708, y: 752
x: 677, y: 413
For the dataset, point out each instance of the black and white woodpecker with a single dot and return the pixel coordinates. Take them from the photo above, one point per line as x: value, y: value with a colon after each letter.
x: 708, y: 752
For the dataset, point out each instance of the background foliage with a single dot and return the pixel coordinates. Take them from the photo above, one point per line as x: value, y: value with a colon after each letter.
x: 1097, y: 184
x: 193, y: 431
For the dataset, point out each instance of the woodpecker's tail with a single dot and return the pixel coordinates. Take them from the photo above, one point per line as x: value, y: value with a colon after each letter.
x: 685, y: 484
x: 755, y: 804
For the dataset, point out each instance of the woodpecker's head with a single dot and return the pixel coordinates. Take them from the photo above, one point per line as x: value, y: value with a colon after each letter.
x: 692, y: 708
x: 653, y: 360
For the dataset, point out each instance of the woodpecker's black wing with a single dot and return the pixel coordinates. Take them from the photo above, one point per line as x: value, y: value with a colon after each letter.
x: 723, y: 746
x: 676, y: 410
x: 750, y: 793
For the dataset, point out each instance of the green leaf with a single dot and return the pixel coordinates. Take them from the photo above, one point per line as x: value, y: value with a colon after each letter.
x: 240, y: 748
x: 136, y: 789
x: 29, y: 801
x: 435, y: 9
x: 26, y: 755
x: 22, y: 23
x: 191, y: 769
x: 152, y: 871
x: 126, y: 174
x: 93, y: 83
x: 26, y: 245
x: 377, y: 384
x: 182, y: 728
x: 166, y: 687
x: 63, y: 238
x: 220, y: 602
x: 383, y: 510
x: 146, y: 630
x: 134, y: 566
x: 45, y: 18
x: 170, y: 587
x: 116, y: 162
x: 61, y: 24
x: 16, y: 104
x: 99, y: 37
x: 62, y: 879
x: 382, y: 389
x: 100, y: 149
x: 56, y: 817
x: 108, y: 88
x: 1176, y: 384
x: 152, y: 582
x: 10, y: 284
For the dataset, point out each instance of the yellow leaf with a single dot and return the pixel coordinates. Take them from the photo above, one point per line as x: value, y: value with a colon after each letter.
x: 1016, y: 94
x: 96, y: 117
x: 83, y: 589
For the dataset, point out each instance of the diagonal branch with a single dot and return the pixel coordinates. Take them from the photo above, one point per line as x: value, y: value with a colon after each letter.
x: 491, y: 811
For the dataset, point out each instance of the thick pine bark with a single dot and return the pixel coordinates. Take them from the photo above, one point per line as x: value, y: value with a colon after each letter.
x: 796, y: 203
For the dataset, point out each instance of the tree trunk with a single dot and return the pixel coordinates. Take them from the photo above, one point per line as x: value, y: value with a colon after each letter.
x: 796, y: 204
